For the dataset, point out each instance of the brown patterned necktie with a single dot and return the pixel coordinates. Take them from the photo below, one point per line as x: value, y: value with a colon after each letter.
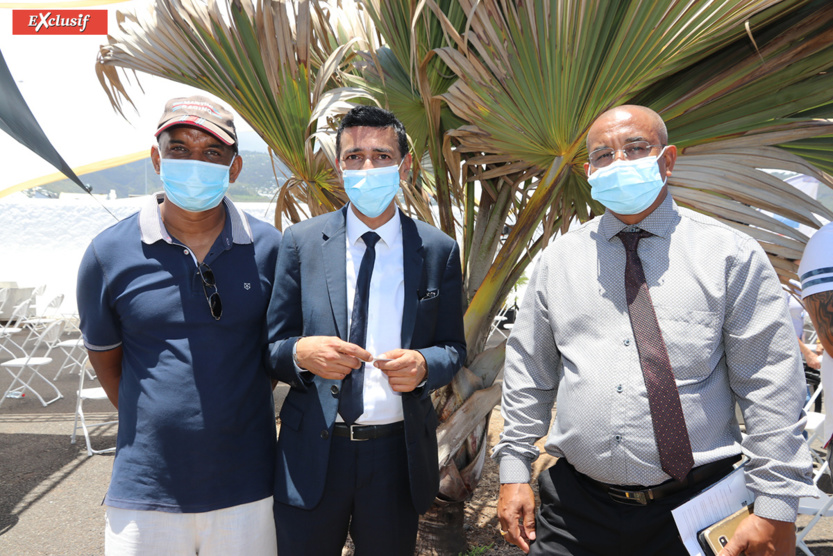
x: 663, y: 398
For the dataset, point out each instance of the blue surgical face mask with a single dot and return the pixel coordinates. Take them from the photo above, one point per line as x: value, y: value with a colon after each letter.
x: 628, y: 186
x: 371, y: 191
x: 194, y: 185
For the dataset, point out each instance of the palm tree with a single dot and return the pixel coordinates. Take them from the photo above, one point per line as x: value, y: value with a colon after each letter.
x: 497, y: 96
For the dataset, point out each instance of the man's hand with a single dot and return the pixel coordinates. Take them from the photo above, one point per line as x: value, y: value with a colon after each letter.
x: 516, y: 512
x: 329, y: 357
x: 759, y: 536
x: 406, y: 370
x: 813, y: 360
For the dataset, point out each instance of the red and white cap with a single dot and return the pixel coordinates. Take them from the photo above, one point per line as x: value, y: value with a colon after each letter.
x: 202, y: 113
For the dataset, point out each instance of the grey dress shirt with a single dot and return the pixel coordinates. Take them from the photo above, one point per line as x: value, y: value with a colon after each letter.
x: 722, y: 314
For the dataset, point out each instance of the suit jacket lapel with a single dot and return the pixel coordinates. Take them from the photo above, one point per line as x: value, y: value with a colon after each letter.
x: 413, y: 258
x: 334, y: 251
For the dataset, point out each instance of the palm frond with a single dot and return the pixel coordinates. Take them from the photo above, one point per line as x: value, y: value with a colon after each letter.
x: 272, y: 62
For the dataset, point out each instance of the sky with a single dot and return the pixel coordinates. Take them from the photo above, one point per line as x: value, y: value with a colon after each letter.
x: 56, y: 75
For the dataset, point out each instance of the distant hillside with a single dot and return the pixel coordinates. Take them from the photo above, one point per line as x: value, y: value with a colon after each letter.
x: 256, y: 181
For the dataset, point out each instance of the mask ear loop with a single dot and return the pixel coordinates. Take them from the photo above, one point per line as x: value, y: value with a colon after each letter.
x: 665, y: 177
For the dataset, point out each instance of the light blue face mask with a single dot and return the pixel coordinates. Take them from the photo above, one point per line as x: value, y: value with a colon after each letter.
x: 371, y: 191
x: 628, y: 186
x: 194, y: 185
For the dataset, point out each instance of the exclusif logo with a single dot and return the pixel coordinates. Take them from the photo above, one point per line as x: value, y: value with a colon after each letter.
x: 59, y: 22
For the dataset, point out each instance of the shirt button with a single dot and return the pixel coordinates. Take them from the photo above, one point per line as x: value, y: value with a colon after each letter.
x: 627, y: 341
x: 619, y: 388
x: 325, y: 434
x: 186, y: 251
x: 334, y: 390
x: 616, y: 437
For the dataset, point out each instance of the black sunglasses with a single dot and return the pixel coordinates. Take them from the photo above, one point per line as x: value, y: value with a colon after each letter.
x: 214, y: 303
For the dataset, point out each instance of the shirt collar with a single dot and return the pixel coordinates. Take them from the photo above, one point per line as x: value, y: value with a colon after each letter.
x: 153, y: 229
x: 389, y: 232
x: 659, y: 222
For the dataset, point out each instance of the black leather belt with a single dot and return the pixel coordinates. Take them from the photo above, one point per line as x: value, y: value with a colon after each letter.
x: 642, y: 496
x: 368, y: 432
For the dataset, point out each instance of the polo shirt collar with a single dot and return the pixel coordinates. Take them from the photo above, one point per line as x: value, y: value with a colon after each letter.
x: 389, y: 232
x: 659, y: 222
x: 153, y: 229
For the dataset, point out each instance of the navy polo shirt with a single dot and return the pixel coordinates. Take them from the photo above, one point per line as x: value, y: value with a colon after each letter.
x: 196, y: 416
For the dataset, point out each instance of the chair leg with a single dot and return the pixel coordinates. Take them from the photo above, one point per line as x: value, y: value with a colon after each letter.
x: 45, y: 403
x: 821, y: 471
x: 70, y: 361
x: 799, y: 538
x: 86, y: 430
x: 78, y: 410
x: 86, y: 434
x: 79, y: 415
x: 804, y: 548
x: 12, y: 388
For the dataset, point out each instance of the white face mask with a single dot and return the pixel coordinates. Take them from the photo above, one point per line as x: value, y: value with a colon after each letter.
x: 371, y: 191
x: 628, y: 186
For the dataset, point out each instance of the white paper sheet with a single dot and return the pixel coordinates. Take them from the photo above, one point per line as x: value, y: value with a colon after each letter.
x: 720, y: 500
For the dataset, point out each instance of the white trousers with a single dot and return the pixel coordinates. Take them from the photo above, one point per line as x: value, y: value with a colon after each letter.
x: 245, y: 530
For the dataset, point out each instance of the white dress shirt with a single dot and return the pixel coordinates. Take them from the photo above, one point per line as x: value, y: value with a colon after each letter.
x: 384, y: 313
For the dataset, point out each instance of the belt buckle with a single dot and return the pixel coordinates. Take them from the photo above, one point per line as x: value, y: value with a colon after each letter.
x: 353, y: 438
x: 630, y: 497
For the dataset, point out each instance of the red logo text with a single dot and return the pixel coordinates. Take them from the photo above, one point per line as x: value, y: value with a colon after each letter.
x: 59, y: 22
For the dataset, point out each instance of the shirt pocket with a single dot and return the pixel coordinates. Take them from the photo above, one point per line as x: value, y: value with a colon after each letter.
x: 692, y: 338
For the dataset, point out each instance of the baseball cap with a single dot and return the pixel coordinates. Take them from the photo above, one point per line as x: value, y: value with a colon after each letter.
x: 200, y: 112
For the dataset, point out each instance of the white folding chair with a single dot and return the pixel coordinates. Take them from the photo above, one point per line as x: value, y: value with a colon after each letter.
x: 815, y: 431
x: 74, y: 354
x: 37, y: 292
x: 13, y: 327
x: 823, y: 505
x: 500, y: 317
x: 83, y: 394
x: 39, y: 323
x: 818, y: 508
x: 24, y: 369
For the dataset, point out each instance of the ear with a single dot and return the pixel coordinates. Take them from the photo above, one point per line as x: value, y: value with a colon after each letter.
x: 154, y: 157
x: 670, y: 158
x: 236, y: 167
x: 406, y: 167
x: 587, y: 169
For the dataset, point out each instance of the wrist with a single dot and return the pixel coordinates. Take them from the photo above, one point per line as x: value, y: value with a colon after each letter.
x: 295, y: 356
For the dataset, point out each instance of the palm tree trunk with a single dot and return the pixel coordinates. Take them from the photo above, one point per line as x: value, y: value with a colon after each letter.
x: 441, y: 530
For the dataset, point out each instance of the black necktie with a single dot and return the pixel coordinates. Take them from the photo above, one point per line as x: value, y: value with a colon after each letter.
x: 351, y: 403
x: 663, y: 398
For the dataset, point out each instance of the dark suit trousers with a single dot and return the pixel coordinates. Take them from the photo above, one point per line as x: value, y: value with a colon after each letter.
x: 367, y: 492
x: 577, y: 519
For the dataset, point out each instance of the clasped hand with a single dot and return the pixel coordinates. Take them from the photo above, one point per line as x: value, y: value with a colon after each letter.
x: 332, y: 358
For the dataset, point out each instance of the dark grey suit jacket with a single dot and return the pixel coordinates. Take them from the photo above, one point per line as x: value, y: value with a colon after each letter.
x: 309, y: 298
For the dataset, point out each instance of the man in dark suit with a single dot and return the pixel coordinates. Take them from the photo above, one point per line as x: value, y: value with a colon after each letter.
x: 365, y: 321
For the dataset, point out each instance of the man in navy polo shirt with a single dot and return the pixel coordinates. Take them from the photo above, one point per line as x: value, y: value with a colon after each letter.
x: 172, y: 303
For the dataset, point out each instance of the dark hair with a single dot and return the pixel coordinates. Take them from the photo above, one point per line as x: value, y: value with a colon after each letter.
x: 372, y: 116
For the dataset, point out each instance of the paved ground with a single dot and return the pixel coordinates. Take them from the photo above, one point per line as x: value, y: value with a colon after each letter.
x: 51, y: 491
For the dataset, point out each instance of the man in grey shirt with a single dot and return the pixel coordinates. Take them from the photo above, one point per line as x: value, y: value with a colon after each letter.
x: 577, y: 342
